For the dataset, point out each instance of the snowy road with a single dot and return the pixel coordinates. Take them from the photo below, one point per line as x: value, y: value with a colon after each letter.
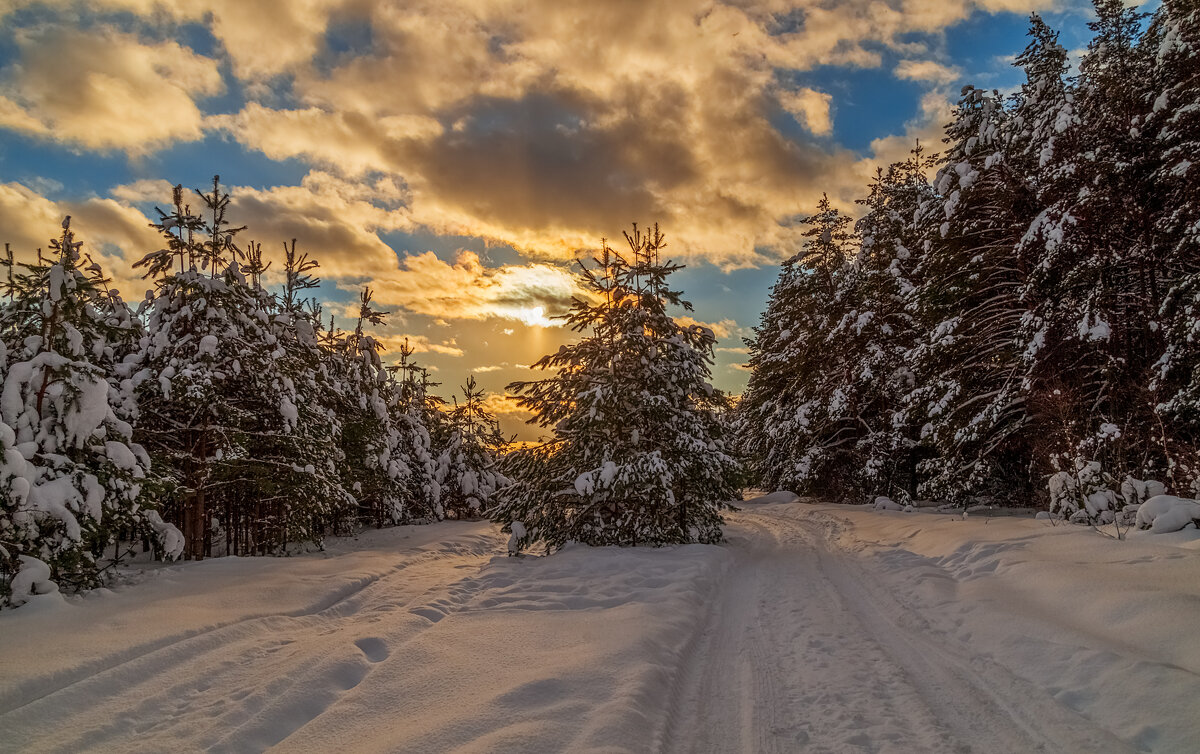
x: 816, y: 629
x: 804, y: 649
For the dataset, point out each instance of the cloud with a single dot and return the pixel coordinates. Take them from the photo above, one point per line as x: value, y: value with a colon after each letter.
x: 114, y: 234
x: 543, y: 126
x: 927, y: 128
x: 929, y: 71
x: 466, y: 289
x: 336, y: 221
x: 502, y: 128
x: 392, y: 343
x: 504, y: 406
x: 105, y: 90
x: 722, y: 329
x: 811, y: 107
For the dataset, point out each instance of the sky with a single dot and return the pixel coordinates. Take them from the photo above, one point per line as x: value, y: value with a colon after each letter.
x: 460, y: 156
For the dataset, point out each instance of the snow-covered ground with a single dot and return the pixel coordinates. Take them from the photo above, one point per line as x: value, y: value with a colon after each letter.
x: 816, y: 628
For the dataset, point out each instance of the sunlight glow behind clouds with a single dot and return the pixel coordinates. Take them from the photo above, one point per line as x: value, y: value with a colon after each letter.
x: 541, y: 124
x: 466, y: 289
x: 533, y: 126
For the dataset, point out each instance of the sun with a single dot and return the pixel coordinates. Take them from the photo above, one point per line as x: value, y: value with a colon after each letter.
x: 534, y: 316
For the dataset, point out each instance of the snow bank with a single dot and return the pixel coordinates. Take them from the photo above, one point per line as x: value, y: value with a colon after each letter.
x: 1167, y: 513
x: 887, y: 504
x: 32, y: 580
x: 1101, y: 624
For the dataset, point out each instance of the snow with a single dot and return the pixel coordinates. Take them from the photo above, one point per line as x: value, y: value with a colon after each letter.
x: 207, y: 346
x: 121, y: 456
x: 815, y: 627
x: 89, y: 410
x: 887, y: 504
x: 766, y: 498
x: 1167, y: 513
x: 1094, y: 328
x: 289, y: 412
x: 32, y: 579
x: 58, y: 276
x: 169, y: 537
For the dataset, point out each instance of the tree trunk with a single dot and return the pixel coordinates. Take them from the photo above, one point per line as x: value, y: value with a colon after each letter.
x: 193, y: 524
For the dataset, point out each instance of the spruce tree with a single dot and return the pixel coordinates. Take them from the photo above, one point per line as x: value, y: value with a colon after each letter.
x: 467, y: 467
x: 386, y: 448
x: 969, y: 397
x: 226, y: 393
x: 70, y: 473
x: 1176, y: 132
x: 1099, y: 280
x: 639, y: 453
x: 800, y: 410
x: 884, y: 331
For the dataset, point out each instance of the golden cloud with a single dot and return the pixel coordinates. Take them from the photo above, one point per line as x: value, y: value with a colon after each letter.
x: 929, y: 71
x: 392, y: 343
x: 466, y: 289
x: 105, y: 90
x: 547, y: 128
x: 811, y: 107
x: 114, y: 234
x: 543, y: 124
x: 722, y: 329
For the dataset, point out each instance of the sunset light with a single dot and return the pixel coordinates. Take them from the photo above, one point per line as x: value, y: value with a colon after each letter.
x: 459, y: 156
x: 639, y: 376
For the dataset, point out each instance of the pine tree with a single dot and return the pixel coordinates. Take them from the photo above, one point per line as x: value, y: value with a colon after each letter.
x: 226, y: 391
x: 884, y: 332
x: 800, y: 410
x: 1044, y: 107
x: 639, y: 455
x: 970, y: 399
x: 1098, y: 282
x: 1176, y: 381
x: 387, y: 450
x: 468, y: 472
x: 70, y: 473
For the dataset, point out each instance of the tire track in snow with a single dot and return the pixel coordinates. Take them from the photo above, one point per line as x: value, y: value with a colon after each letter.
x: 981, y: 703
x: 331, y: 646
x: 804, y: 650
x: 779, y: 667
x: 33, y: 691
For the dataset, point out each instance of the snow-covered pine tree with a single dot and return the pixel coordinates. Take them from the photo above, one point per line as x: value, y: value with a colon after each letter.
x: 1176, y: 131
x: 386, y: 449
x: 638, y: 454
x: 216, y: 379
x: 420, y: 426
x: 1098, y: 282
x: 1042, y: 109
x: 884, y: 332
x: 799, y: 414
x: 290, y: 472
x: 969, y: 398
x: 467, y: 466
x: 70, y: 472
